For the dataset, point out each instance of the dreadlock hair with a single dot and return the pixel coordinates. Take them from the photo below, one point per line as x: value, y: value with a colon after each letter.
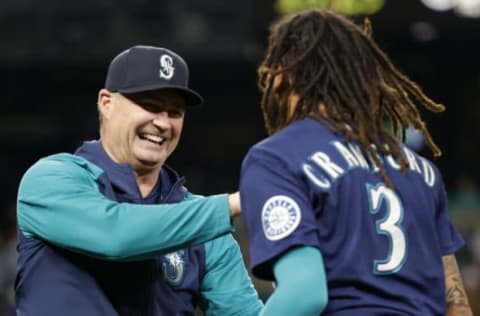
x: 343, y: 79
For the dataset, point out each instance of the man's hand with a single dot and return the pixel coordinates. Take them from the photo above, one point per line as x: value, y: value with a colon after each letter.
x: 234, y: 201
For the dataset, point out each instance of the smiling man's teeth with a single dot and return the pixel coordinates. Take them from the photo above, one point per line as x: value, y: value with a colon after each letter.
x: 153, y: 138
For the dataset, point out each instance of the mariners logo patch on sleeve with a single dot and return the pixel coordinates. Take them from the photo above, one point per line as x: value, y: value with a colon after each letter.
x: 280, y: 217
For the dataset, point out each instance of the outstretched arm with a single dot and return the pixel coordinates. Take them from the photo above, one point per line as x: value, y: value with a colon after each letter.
x: 456, y: 296
x: 59, y: 202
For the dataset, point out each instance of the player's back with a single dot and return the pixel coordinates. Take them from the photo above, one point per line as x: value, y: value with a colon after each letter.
x: 382, y: 246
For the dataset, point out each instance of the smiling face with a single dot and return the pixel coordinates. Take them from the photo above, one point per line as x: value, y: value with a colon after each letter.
x: 142, y: 129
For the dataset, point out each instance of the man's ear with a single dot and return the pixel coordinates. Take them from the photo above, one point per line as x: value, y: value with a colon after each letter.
x: 104, y: 102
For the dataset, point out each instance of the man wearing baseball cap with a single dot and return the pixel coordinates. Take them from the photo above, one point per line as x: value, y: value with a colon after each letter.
x: 112, y: 230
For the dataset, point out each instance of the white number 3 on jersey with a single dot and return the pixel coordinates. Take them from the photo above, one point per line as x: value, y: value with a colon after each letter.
x: 389, y: 225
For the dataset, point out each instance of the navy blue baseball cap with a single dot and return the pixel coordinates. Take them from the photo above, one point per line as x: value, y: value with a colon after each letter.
x: 147, y: 68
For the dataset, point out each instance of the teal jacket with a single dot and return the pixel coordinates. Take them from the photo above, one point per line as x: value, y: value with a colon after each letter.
x: 89, y: 244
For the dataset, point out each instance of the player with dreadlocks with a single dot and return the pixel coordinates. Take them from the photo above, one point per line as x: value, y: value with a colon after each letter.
x: 341, y: 214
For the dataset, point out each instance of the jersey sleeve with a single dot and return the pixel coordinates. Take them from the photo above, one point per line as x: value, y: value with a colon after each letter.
x: 226, y: 287
x: 307, y: 287
x: 276, y: 208
x: 449, y: 238
x: 59, y: 201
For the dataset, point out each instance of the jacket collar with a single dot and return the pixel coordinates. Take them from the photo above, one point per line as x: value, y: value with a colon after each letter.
x: 122, y: 176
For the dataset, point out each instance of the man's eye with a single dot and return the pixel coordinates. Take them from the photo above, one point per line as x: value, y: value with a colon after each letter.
x: 175, y: 113
x: 150, y: 107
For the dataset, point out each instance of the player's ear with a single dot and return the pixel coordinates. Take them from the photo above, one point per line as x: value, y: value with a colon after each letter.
x: 104, y: 102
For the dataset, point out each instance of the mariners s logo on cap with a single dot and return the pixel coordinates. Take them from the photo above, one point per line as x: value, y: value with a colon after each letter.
x: 166, y: 67
x: 280, y: 217
x: 143, y: 68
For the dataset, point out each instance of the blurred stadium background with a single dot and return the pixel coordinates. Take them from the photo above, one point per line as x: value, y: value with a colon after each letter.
x: 54, y: 55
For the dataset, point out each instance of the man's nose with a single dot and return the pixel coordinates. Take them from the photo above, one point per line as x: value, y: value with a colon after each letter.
x: 161, y: 120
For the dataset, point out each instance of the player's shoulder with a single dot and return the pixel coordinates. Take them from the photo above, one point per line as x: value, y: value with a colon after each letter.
x: 62, y: 163
x: 303, y: 134
x: 418, y: 155
x: 305, y: 130
x: 419, y: 166
x: 412, y: 155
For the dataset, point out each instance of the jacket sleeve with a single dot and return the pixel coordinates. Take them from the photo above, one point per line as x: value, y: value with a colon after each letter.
x: 226, y: 288
x: 59, y: 202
